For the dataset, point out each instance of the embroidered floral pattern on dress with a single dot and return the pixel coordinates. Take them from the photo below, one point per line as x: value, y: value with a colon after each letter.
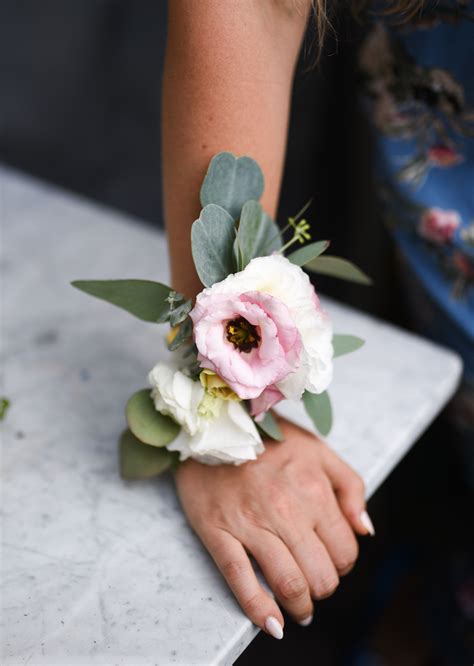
x: 426, y: 104
x: 423, y: 110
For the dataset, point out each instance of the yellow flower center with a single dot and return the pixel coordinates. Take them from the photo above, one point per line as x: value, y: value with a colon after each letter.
x: 216, y: 386
x: 243, y: 335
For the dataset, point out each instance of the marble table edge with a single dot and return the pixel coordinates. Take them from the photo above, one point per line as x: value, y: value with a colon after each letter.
x: 380, y: 474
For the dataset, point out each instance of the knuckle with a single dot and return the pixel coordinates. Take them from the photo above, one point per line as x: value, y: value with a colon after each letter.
x: 250, y: 516
x: 346, y: 562
x: 320, y: 489
x: 347, y: 555
x: 335, y: 522
x: 357, y: 484
x: 283, y: 507
x: 233, y: 570
x: 346, y: 568
x: 291, y: 587
x: 251, y: 605
x: 326, y: 586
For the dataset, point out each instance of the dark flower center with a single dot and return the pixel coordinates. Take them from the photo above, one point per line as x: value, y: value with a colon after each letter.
x: 243, y: 335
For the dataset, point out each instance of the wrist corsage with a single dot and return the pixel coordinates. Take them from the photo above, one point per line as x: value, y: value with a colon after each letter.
x: 256, y: 334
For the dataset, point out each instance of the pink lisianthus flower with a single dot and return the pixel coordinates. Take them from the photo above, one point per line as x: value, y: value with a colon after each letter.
x: 263, y: 331
x: 248, y: 339
x: 438, y: 225
x: 265, y: 401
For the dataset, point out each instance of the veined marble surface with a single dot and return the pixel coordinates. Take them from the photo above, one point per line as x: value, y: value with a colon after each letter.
x: 96, y: 570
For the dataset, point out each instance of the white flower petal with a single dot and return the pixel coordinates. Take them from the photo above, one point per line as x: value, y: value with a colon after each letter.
x: 177, y: 395
x: 230, y: 437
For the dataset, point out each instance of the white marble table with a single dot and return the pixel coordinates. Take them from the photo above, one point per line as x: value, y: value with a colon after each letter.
x: 95, y: 570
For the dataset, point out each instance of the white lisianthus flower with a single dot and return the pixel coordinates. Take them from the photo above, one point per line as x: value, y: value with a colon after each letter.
x: 231, y: 437
x: 213, y: 430
x: 176, y: 395
x: 265, y: 278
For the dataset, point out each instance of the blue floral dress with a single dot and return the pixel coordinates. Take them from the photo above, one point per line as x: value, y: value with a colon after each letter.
x: 418, y: 79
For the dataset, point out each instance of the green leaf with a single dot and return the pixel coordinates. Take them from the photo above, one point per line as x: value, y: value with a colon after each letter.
x: 179, y: 314
x: 231, y: 181
x: 142, y: 298
x: 307, y: 252
x: 4, y: 405
x: 212, y: 240
x: 257, y: 235
x: 148, y: 425
x: 338, y: 268
x: 345, y: 344
x: 140, y: 461
x: 269, y: 426
x: 239, y: 262
x: 318, y: 407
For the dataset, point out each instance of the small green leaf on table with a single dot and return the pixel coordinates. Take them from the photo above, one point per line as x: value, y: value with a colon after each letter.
x: 144, y: 299
x: 231, y: 181
x: 345, y: 344
x: 318, y: 408
x: 141, y: 461
x: 212, y: 241
x: 308, y: 252
x: 269, y: 426
x: 4, y: 405
x: 338, y: 268
x: 146, y: 423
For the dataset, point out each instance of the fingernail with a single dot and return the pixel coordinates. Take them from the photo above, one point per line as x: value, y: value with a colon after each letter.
x: 367, y: 523
x: 306, y: 622
x: 273, y: 627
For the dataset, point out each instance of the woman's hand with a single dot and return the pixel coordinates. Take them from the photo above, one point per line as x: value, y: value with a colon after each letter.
x: 295, y: 510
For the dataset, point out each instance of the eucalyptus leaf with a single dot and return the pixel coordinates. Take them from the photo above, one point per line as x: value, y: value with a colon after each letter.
x: 338, y: 268
x: 345, y: 344
x: 304, y: 254
x: 231, y: 181
x: 145, y: 299
x: 183, y: 334
x: 318, y: 408
x: 148, y: 425
x: 179, y: 314
x: 269, y: 426
x: 212, y: 240
x: 190, y: 351
x: 141, y: 461
x: 257, y: 235
x: 239, y: 262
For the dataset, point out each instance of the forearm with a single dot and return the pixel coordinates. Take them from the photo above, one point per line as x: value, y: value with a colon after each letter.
x: 227, y: 86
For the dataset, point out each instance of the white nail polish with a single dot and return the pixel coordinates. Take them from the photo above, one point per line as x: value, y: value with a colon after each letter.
x: 306, y: 622
x: 273, y: 627
x: 367, y: 523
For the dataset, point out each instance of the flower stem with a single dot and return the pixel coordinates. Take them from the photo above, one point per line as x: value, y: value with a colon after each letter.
x: 289, y: 244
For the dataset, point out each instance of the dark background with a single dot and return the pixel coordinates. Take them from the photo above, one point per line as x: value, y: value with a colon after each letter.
x: 80, y: 107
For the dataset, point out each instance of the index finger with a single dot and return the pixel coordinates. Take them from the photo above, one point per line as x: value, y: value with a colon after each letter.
x: 234, y: 564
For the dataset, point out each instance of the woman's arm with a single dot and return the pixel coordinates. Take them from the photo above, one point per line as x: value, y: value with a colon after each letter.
x: 227, y: 86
